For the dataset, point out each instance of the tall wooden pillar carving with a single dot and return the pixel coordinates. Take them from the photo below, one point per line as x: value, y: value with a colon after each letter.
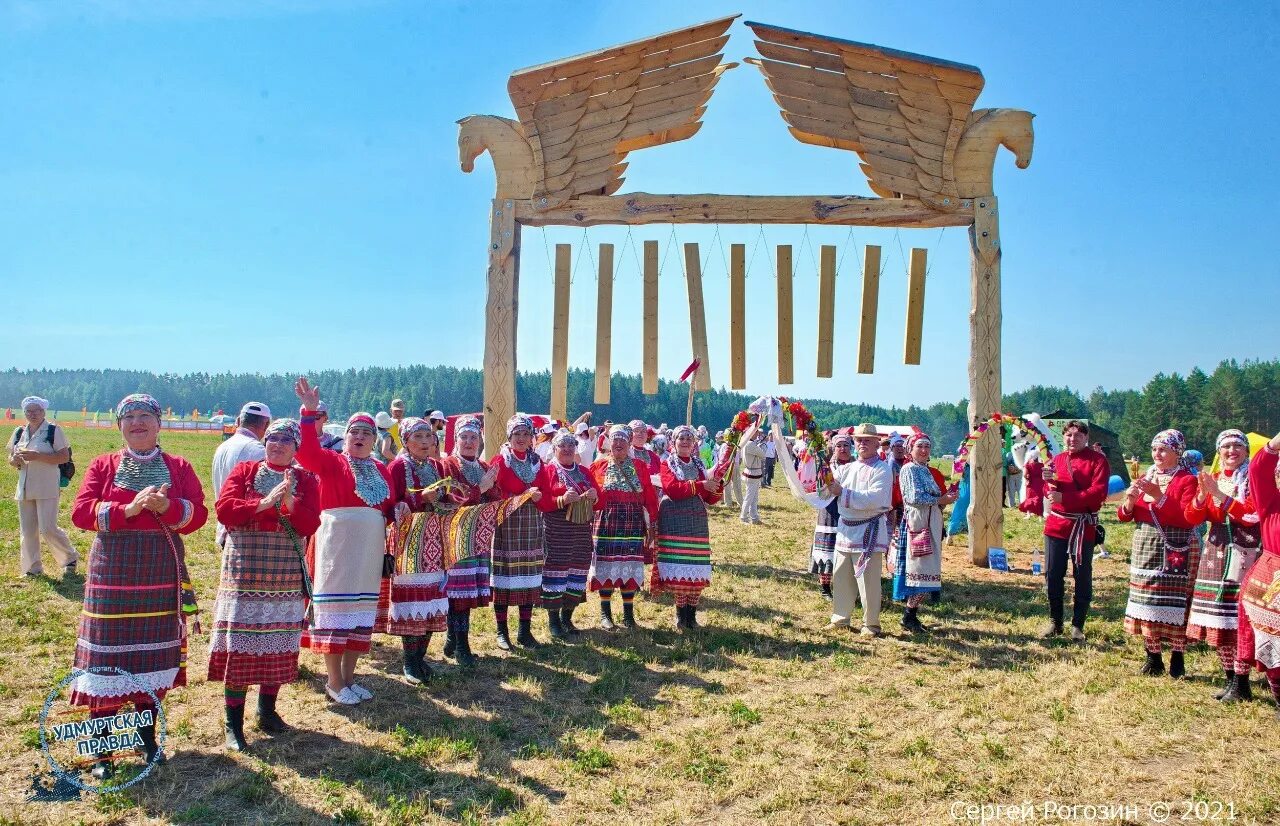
x: 986, y: 485
x: 501, y: 322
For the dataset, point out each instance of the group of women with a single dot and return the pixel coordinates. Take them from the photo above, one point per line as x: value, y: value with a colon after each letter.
x: 324, y: 548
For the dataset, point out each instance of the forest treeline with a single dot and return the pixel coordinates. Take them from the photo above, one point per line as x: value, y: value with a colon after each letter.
x: 1200, y: 404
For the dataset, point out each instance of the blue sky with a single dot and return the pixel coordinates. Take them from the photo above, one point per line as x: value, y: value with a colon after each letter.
x: 273, y: 185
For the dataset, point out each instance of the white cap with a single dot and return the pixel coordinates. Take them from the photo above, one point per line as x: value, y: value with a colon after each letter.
x: 383, y: 419
x: 255, y: 409
x: 581, y: 428
x: 549, y: 427
x: 436, y: 414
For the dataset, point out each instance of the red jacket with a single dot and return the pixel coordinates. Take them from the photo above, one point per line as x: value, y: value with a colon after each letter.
x: 553, y: 488
x: 237, y: 504
x: 676, y: 489
x: 1170, y: 509
x: 1082, y: 481
x: 100, y: 505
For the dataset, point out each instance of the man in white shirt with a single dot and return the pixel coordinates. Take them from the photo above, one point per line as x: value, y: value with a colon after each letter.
x: 864, y: 490
x: 770, y: 461
x: 586, y: 443
x: 36, y: 450
x: 245, y: 445
x: 752, y: 451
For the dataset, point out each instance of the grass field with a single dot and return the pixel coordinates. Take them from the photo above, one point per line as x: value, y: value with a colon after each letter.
x: 761, y: 717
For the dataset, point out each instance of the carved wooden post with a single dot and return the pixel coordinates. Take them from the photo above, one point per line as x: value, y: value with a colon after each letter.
x: 986, y: 504
x: 501, y: 310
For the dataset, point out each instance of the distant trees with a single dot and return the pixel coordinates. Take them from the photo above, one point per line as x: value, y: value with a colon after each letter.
x: 1235, y: 394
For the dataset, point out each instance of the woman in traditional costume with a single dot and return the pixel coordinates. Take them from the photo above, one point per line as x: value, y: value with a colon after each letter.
x: 630, y: 507
x: 1259, y: 646
x: 1032, y: 503
x: 413, y: 605
x: 918, y: 565
x: 567, y: 513
x: 822, y: 551
x: 139, y: 501
x: 1231, y: 547
x: 518, y: 551
x: 683, y: 564
x: 270, y: 508
x: 1165, y: 554
x: 356, y: 503
x: 467, y: 578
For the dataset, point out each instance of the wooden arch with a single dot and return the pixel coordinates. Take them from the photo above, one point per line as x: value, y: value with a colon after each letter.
x: 910, y: 119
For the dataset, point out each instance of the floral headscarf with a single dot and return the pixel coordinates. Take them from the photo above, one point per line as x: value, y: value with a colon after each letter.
x: 362, y: 420
x: 287, y: 427
x: 517, y: 422
x: 412, y: 424
x: 918, y: 438
x: 137, y: 401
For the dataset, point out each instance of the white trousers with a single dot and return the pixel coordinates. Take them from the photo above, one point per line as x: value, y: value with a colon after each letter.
x: 38, y: 519
x: 733, y: 489
x: 751, y: 500
x: 845, y: 588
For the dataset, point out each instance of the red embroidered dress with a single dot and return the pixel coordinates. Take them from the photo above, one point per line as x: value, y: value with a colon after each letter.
x: 683, y: 563
x: 1231, y: 547
x: 1162, y: 565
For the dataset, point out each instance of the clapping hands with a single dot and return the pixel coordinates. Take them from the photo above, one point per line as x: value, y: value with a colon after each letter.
x: 154, y: 498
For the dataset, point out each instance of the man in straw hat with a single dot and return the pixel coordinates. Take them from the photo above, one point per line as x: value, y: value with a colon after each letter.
x: 863, y: 490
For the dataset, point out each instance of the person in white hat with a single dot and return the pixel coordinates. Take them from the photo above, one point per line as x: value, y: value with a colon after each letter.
x: 586, y: 443
x: 753, y: 458
x: 385, y: 449
x: 864, y: 490
x: 37, y: 450
x: 245, y: 445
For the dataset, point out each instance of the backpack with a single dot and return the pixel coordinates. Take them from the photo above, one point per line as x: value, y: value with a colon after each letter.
x: 66, y: 470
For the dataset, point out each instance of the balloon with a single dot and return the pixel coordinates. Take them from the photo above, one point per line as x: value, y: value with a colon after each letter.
x: 1115, y: 485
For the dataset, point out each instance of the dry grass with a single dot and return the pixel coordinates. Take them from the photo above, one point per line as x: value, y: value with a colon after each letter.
x: 759, y: 718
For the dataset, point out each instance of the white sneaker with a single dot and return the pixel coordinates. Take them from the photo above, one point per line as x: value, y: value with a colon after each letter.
x: 346, y: 697
x: 1104, y: 554
x: 360, y: 691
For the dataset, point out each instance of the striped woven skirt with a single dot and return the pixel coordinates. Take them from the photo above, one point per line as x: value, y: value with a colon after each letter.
x: 346, y: 566
x: 412, y: 602
x: 1160, y: 584
x: 1216, y: 595
x: 518, y: 555
x: 684, y: 547
x: 916, y: 572
x: 618, y: 558
x: 564, y: 577
x: 257, y: 624
x: 131, y: 620
x: 1260, y: 596
x: 822, y: 553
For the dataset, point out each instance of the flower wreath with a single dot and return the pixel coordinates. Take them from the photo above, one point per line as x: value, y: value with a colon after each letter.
x: 732, y: 437
x: 1020, y: 422
x: 807, y: 430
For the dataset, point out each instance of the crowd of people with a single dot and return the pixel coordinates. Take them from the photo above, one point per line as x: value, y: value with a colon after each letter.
x: 328, y: 540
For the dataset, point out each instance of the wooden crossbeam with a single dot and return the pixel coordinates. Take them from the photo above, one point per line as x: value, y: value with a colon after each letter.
x: 604, y: 323
x: 738, y: 316
x: 826, y: 311
x: 649, y: 384
x: 697, y: 316
x: 560, y: 334
x: 915, y: 306
x: 870, y: 308
x: 786, y: 326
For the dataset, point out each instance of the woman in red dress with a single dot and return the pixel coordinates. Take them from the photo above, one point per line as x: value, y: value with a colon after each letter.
x: 567, y: 511
x: 683, y: 564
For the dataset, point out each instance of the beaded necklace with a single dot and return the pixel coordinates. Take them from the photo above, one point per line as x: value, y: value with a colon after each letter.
x: 137, y: 471
x: 686, y: 470
x: 525, y: 469
x: 621, y: 476
x: 571, y: 477
x: 370, y: 486
x: 267, y: 478
x: 418, y: 475
x: 472, y: 470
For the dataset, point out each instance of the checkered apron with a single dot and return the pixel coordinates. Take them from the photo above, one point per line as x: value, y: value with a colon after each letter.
x: 518, y: 554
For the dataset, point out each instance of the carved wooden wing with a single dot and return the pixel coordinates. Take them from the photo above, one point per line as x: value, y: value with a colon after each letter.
x: 902, y: 113
x: 583, y: 114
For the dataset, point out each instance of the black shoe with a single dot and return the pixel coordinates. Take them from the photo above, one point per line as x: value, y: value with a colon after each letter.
x: 1239, y: 691
x: 525, y: 635
x: 234, y: 729
x: 503, y: 636
x: 691, y: 617
x: 826, y: 591
x: 416, y: 671
x: 566, y: 620
x: 451, y: 633
x: 1154, y: 666
x: 102, y: 767
x: 1177, y: 668
x: 268, y: 720
x: 150, y: 748
x: 911, y: 622
x: 606, y: 615
x: 682, y: 618
x: 629, y: 615
x: 465, y: 658
x: 553, y: 622
x: 1226, y: 686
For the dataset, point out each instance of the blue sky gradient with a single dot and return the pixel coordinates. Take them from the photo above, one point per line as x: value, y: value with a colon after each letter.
x: 261, y: 186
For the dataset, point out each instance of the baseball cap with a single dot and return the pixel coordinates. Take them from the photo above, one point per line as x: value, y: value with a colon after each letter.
x: 255, y: 409
x: 581, y: 428
x: 436, y: 414
x: 397, y: 404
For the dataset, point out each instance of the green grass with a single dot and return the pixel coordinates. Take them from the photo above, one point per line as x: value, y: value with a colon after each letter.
x: 762, y: 717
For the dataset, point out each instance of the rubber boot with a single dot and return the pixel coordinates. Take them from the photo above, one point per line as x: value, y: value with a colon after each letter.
x: 1154, y: 666
x: 1239, y: 691
x: 268, y: 720
x: 553, y: 622
x: 415, y: 668
x: 911, y: 622
x: 682, y: 618
x: 451, y: 633
x: 1177, y: 668
x: 1226, y: 686
x: 629, y: 615
x: 463, y: 651
x: 566, y: 620
x: 503, y: 636
x: 525, y: 637
x: 234, y: 729
x: 691, y: 617
x: 826, y: 591
x: 149, y: 746
x: 606, y: 614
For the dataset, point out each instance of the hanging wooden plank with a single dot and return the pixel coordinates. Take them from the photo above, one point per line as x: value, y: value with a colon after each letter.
x: 649, y: 384
x: 826, y: 311
x: 786, y: 326
x: 560, y: 334
x: 697, y: 316
x: 738, y: 316
x: 915, y: 306
x: 604, y: 322
x: 870, y: 307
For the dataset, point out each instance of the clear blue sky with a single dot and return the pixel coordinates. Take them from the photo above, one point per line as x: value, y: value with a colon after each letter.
x: 261, y: 185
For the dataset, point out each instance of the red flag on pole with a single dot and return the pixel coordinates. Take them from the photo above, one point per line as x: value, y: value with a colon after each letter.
x: 691, y: 369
